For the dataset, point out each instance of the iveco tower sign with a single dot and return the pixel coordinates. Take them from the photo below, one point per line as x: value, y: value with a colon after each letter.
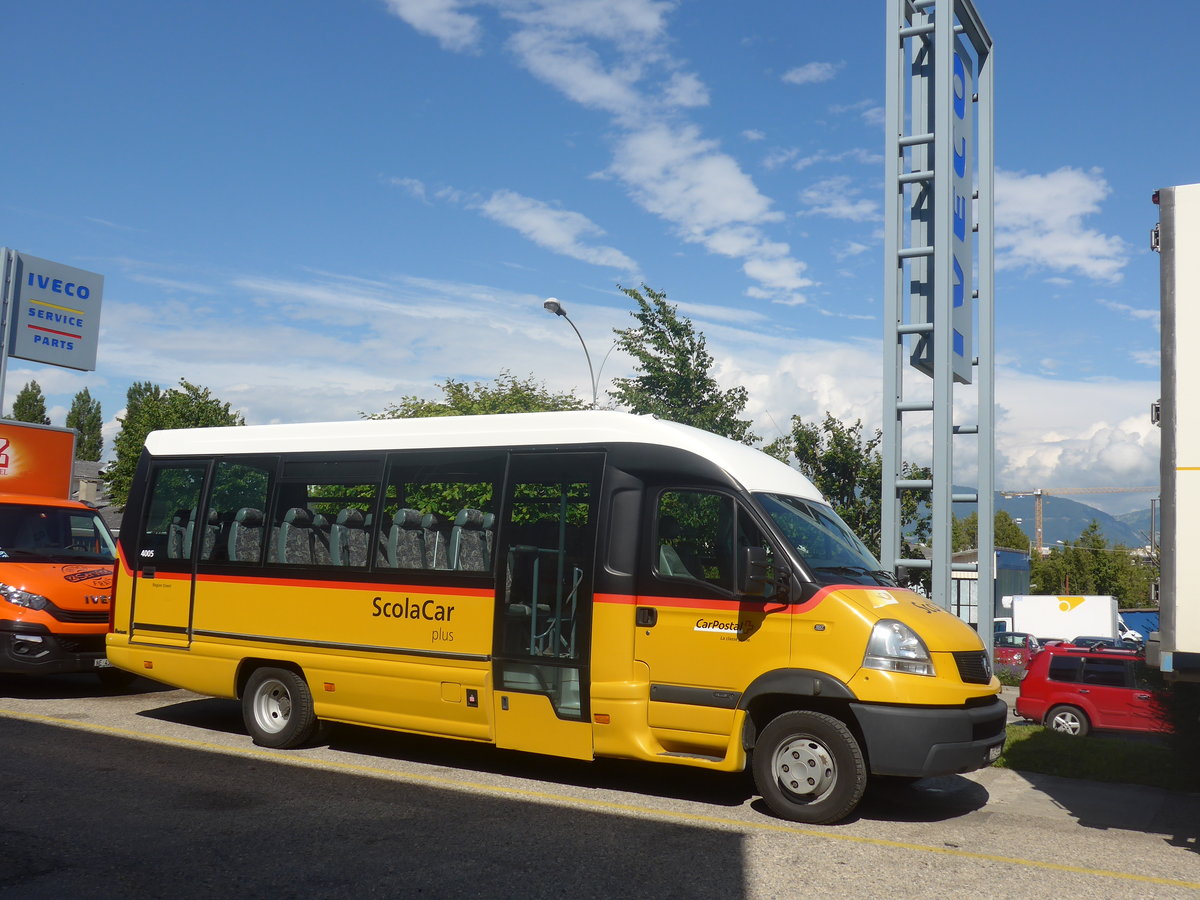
x: 55, y: 312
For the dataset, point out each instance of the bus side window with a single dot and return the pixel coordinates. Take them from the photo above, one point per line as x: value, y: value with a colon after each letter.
x: 172, y: 502
x: 240, y: 486
x: 694, y: 537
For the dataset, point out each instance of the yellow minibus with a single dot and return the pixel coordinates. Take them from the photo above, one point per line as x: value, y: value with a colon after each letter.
x: 580, y: 584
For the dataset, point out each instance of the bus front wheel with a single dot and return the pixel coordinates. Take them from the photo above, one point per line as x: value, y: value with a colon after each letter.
x: 809, y: 768
x: 277, y: 708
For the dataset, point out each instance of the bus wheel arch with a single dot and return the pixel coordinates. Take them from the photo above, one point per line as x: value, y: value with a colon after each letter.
x: 277, y: 706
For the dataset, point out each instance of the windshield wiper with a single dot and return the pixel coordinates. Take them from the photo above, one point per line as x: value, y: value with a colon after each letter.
x: 881, y: 574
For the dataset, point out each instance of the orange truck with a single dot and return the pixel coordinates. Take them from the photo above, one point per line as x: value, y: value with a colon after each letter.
x: 56, y: 560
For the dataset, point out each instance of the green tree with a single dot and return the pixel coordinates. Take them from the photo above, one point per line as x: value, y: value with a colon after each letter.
x: 85, y: 417
x: 30, y: 405
x: 847, y: 468
x: 507, y: 394
x: 1090, y: 566
x: 1008, y: 533
x: 149, y: 408
x: 673, y: 366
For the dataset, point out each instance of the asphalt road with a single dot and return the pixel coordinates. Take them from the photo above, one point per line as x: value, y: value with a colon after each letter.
x: 159, y: 793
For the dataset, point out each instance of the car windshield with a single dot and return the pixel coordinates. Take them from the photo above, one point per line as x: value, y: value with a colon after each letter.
x: 823, y: 541
x: 53, y: 534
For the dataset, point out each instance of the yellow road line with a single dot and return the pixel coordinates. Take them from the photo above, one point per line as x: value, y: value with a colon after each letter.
x: 608, y: 805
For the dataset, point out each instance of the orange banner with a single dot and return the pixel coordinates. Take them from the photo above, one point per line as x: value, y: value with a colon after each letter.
x: 36, y: 459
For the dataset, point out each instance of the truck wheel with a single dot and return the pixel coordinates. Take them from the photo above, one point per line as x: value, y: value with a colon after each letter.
x: 1068, y: 720
x: 809, y: 768
x: 277, y: 708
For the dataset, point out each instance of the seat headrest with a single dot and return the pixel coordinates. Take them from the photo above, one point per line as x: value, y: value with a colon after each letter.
x: 407, y: 518
x: 298, y: 516
x: 469, y: 518
x: 248, y: 517
x: 350, y: 518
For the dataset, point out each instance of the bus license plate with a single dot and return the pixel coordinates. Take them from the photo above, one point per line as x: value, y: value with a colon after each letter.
x: 994, y: 753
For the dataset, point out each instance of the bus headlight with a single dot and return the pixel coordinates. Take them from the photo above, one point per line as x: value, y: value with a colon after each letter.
x: 894, y: 647
x: 18, y: 597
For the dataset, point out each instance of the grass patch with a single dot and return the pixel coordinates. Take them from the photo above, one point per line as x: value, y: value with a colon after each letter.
x: 1009, y: 677
x: 1032, y: 748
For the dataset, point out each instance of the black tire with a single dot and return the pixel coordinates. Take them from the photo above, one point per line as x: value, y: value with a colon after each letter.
x: 832, y: 773
x: 114, y: 679
x: 1068, y: 720
x: 277, y: 708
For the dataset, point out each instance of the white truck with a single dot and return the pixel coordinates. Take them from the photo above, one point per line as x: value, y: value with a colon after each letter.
x: 1175, y: 647
x: 1066, y: 617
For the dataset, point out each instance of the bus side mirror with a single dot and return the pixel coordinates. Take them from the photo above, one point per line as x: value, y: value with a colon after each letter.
x: 754, y: 573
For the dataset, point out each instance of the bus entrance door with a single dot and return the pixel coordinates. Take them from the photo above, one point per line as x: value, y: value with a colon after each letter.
x: 162, y: 569
x: 547, y: 551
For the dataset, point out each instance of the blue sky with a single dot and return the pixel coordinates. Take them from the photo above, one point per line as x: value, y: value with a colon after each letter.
x: 314, y: 208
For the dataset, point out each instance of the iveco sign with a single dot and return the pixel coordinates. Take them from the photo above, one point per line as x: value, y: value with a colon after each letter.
x: 55, y: 312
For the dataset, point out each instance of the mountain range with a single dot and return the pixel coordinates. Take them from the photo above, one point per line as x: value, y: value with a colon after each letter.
x: 1064, y: 519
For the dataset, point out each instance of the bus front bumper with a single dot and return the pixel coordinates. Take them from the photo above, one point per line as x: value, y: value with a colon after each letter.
x: 921, y: 741
x: 35, y: 651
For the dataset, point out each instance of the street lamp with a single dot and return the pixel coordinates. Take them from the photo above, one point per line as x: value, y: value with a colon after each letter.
x: 555, y: 307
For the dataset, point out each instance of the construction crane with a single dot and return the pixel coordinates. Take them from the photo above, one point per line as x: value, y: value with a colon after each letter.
x: 1038, y: 493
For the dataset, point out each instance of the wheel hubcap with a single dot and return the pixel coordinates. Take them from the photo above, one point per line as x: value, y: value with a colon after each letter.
x: 274, y: 706
x: 805, y: 768
x: 1066, y: 722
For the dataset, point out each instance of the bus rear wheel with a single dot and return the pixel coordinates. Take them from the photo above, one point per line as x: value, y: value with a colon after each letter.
x: 809, y: 768
x: 277, y: 708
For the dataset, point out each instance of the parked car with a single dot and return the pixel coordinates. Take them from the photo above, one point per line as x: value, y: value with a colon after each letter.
x: 1014, y: 649
x: 1076, y: 690
x: 1111, y: 643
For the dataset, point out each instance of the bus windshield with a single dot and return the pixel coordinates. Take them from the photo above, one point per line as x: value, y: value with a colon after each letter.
x: 832, y: 552
x: 53, y: 534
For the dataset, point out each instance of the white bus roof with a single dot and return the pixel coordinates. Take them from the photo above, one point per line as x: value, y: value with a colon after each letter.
x: 752, y: 469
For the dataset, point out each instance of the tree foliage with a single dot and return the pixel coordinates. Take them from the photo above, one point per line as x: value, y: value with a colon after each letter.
x: 85, y: 417
x: 507, y: 394
x: 1090, y: 566
x: 149, y: 408
x: 1008, y: 534
x: 847, y: 468
x: 30, y: 405
x: 674, y: 379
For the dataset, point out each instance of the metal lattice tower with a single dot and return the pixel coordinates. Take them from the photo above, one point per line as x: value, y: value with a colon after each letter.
x: 939, y: 239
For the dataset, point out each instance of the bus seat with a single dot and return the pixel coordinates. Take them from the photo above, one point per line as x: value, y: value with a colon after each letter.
x: 349, y: 539
x: 176, y: 532
x: 489, y: 533
x: 436, y: 538
x: 468, y: 551
x: 670, y: 561
x: 245, y: 535
x: 321, y: 540
x: 208, y: 536
x: 406, y: 542
x: 295, y: 537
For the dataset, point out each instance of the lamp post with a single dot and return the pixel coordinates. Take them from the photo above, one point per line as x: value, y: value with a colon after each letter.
x: 555, y: 307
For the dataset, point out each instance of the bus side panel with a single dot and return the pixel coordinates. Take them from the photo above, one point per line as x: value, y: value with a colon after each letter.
x: 350, y: 640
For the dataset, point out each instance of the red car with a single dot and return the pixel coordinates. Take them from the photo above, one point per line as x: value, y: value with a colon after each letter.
x: 1075, y: 690
x: 1014, y: 649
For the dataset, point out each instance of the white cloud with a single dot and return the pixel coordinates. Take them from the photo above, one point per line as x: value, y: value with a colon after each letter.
x: 812, y: 73
x: 1040, y: 224
x: 441, y: 19
x: 753, y: 134
x: 838, y: 198
x: 1153, y: 316
x: 560, y: 230
x: 685, y: 89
